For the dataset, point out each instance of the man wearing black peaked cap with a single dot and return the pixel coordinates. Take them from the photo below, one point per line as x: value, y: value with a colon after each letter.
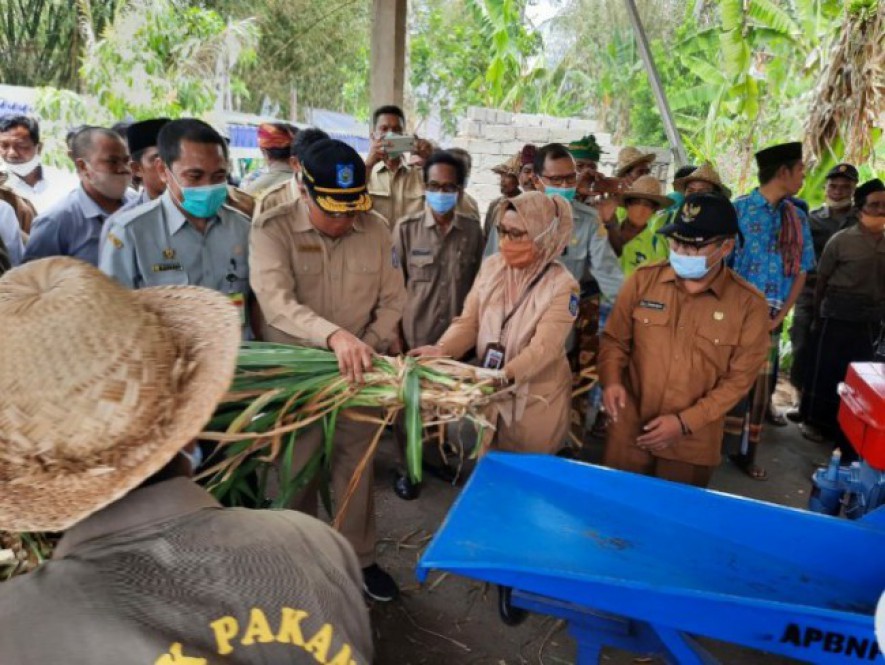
x: 690, y: 311
x: 327, y: 276
x: 837, y: 213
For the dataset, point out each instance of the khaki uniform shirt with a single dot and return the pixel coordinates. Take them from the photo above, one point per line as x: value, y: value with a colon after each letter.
x: 439, y: 271
x: 276, y: 174
x: 166, y: 576
x: 853, y: 265
x: 310, y: 285
x: 468, y: 207
x: 695, y: 355
x: 396, y: 194
x: 270, y: 198
x: 240, y: 200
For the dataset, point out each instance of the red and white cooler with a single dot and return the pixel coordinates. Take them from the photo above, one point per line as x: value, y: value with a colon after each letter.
x: 862, y: 411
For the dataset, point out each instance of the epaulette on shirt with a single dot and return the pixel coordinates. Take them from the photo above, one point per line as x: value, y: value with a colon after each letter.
x: 127, y: 217
x: 277, y: 211
x: 268, y: 190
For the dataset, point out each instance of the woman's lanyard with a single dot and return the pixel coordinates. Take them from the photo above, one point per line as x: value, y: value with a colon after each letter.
x: 522, y: 299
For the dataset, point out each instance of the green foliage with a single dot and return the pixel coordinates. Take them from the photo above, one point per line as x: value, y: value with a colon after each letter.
x: 40, y: 40
x: 163, y: 57
x: 483, y: 53
x: 318, y: 49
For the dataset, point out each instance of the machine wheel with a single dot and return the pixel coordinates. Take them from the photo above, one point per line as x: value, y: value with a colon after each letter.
x: 510, y: 615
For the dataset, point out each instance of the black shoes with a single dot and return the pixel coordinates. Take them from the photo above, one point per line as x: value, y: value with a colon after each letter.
x: 378, y: 585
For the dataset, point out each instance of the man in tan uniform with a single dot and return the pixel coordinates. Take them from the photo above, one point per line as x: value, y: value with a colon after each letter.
x: 396, y: 188
x: 440, y: 251
x: 290, y: 190
x: 150, y: 568
x: 326, y: 275
x: 683, y: 345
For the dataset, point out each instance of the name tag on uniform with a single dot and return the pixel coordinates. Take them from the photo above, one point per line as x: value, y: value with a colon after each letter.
x: 651, y: 304
x: 309, y: 249
x: 165, y: 267
x: 422, y: 252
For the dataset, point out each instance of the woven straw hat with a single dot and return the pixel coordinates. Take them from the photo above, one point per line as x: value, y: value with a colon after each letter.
x: 704, y: 173
x: 649, y: 188
x: 630, y: 157
x: 510, y: 167
x: 102, y: 386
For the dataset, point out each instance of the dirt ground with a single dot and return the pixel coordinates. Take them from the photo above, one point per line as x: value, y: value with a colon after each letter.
x: 454, y: 621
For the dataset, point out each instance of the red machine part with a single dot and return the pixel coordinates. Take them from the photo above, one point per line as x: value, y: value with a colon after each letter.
x: 862, y: 411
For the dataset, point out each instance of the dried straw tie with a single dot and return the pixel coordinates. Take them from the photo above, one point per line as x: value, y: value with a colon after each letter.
x: 102, y: 386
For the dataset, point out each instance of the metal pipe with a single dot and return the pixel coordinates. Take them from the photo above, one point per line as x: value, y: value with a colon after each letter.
x: 657, y: 88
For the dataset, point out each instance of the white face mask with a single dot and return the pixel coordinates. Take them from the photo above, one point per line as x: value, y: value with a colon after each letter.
x: 25, y: 168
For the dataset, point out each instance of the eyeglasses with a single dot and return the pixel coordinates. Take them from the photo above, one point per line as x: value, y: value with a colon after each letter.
x: 562, y: 180
x: 447, y: 188
x: 878, y: 206
x: 691, y: 249
x: 512, y: 234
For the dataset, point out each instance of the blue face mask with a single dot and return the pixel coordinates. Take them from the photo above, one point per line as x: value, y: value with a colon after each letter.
x: 441, y: 202
x: 568, y: 193
x: 689, y: 267
x: 203, y: 202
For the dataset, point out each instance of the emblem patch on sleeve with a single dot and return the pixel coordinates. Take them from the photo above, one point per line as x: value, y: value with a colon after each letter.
x: 114, y: 240
x: 394, y: 257
x: 573, y: 304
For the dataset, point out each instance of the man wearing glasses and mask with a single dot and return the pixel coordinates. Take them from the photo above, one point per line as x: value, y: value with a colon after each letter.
x: 683, y: 345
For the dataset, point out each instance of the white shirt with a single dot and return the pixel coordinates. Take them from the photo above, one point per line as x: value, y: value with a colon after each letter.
x: 10, y: 233
x: 53, y: 186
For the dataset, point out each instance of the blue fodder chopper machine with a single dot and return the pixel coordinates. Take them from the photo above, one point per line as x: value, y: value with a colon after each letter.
x: 648, y: 566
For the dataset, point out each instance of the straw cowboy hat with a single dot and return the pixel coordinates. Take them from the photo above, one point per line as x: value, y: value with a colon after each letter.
x: 510, y: 167
x: 649, y: 188
x: 704, y: 173
x: 102, y: 386
x: 629, y: 158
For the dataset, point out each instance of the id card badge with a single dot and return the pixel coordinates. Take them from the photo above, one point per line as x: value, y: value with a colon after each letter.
x: 238, y: 300
x: 494, y: 356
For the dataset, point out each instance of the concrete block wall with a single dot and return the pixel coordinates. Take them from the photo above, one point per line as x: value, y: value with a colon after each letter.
x: 492, y: 137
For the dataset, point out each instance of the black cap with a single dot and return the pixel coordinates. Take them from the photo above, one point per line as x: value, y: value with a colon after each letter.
x: 141, y: 135
x: 777, y: 155
x: 869, y: 187
x: 335, y: 177
x: 701, y: 217
x: 844, y: 171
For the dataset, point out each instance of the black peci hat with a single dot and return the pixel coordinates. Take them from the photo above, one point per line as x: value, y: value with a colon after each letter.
x: 777, y: 155
x: 143, y: 135
x: 335, y: 177
x: 701, y: 217
x: 844, y: 171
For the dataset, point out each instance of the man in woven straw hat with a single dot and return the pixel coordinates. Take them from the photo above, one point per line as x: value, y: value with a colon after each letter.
x: 639, y: 230
x: 103, y: 387
x: 633, y: 164
x: 702, y: 179
x: 508, y: 172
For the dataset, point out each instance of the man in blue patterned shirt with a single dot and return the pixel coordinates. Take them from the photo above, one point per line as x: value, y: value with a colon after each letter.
x: 776, y: 255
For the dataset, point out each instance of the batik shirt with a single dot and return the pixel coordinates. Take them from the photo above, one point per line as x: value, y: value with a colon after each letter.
x: 759, y: 259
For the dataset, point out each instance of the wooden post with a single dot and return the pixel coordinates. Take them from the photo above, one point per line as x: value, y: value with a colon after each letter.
x: 388, y: 51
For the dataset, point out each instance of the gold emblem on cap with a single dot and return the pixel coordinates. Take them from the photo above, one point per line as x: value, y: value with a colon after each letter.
x: 689, y: 212
x: 718, y: 315
x: 169, y: 253
x: 843, y: 168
